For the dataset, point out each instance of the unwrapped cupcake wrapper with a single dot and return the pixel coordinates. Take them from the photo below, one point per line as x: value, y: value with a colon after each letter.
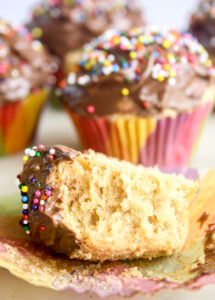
x: 167, y: 142
x: 18, y: 122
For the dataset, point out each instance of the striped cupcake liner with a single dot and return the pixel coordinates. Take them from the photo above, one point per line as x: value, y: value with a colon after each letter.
x: 167, y: 142
x: 18, y: 122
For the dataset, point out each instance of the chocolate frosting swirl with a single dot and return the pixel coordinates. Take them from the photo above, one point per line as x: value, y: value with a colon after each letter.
x: 144, y: 72
x: 24, y: 63
x: 68, y: 25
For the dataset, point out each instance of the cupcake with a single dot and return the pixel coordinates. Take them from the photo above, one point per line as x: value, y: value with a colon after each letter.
x: 25, y: 70
x: 65, y: 26
x: 142, y: 95
x: 202, y: 25
x: 92, y: 207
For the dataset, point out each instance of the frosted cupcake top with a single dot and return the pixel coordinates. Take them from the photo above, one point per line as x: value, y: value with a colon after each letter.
x: 65, y: 25
x: 143, y: 71
x: 24, y: 64
x: 202, y: 25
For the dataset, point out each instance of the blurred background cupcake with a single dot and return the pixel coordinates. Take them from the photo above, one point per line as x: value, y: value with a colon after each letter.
x: 202, y: 25
x: 64, y: 26
x: 25, y: 70
x: 142, y: 95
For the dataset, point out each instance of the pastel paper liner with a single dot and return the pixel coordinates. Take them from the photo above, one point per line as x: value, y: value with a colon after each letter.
x: 166, y: 142
x: 18, y: 122
x: 191, y: 269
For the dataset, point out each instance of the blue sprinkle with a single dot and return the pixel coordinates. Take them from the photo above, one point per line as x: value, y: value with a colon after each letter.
x: 48, y: 188
x: 21, y: 223
x: 116, y: 68
x: 24, y: 199
x: 25, y: 211
x: 125, y: 65
x: 156, y: 54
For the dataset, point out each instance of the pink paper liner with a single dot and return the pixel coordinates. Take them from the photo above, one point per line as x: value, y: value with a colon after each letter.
x: 172, y: 142
x: 169, y: 145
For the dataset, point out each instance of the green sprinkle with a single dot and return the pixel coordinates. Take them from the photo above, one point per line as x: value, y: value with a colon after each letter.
x: 37, y: 154
x: 38, y: 184
x: 146, y: 56
x: 127, y: 80
x: 26, y: 227
x: 20, y: 186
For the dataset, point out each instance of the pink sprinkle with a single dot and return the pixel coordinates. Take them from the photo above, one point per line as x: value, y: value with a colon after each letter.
x: 36, y: 90
x: 90, y: 109
x: 41, y: 207
x: 41, y: 146
x: 51, y: 156
x: 3, y: 69
x: 48, y: 193
x: 36, y: 200
x: 38, y: 193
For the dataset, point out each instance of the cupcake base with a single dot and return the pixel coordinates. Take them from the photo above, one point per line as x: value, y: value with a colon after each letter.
x: 18, y: 122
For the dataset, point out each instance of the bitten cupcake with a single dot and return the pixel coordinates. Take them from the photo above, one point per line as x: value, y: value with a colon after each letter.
x: 25, y: 69
x: 202, y: 25
x: 141, y: 96
x: 66, y: 25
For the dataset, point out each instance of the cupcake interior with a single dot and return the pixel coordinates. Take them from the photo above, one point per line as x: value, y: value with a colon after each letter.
x: 116, y: 205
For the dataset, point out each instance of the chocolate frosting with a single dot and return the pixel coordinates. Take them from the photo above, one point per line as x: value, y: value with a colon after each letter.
x: 68, y: 25
x: 202, y: 25
x: 24, y: 63
x: 44, y: 221
x: 144, y: 72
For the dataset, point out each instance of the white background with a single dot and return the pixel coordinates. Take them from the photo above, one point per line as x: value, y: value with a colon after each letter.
x: 172, y: 13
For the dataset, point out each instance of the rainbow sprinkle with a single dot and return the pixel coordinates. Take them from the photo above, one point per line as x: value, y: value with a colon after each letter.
x: 85, y: 9
x: 129, y: 53
x: 41, y: 195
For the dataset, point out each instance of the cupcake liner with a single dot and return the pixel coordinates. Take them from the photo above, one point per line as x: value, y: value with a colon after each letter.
x: 192, y: 268
x: 18, y: 122
x: 166, y: 142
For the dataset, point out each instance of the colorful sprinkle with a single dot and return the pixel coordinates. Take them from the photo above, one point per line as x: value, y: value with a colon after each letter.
x: 38, y: 193
x: 24, y: 199
x: 123, y: 52
x: 24, y: 189
x: 125, y: 92
x: 35, y: 200
x: 90, y: 109
x: 25, y: 158
x: 48, y: 193
x: 42, y: 228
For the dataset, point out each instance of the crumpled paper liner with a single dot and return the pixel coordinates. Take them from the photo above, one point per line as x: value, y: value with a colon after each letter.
x: 18, y: 122
x: 192, y: 268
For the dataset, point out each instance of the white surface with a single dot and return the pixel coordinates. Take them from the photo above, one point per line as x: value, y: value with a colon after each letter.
x: 56, y: 128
